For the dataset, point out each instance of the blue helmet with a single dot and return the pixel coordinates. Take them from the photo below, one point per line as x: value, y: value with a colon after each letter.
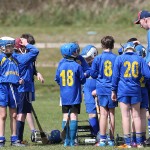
x: 140, y: 49
x: 67, y: 50
x: 120, y: 51
x: 89, y: 51
x: 128, y: 45
x: 6, y: 41
x: 55, y: 137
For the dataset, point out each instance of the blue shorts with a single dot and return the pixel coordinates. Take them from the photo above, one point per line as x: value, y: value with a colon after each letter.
x: 8, y: 95
x: 24, y: 104
x: 90, y: 108
x: 145, y: 98
x: 129, y: 99
x: 106, y: 101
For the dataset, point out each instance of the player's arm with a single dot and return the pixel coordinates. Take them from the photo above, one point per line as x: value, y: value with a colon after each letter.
x: 94, y: 68
x: 83, y: 63
x: 115, y: 79
x: 81, y: 75
x: 145, y: 69
x: 57, y: 77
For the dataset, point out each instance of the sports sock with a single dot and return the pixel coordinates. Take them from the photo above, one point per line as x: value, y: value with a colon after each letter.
x: 103, y: 137
x: 2, y: 141
x: 67, y: 138
x: 133, y: 137
x: 149, y: 127
x: 20, y: 130
x: 73, y: 130
x: 127, y: 138
x: 13, y: 138
x: 94, y: 124
x: 139, y: 138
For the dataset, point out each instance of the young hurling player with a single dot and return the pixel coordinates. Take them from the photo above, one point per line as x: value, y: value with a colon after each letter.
x: 128, y: 70
x: 101, y: 70
x: 9, y: 81
x: 144, y: 20
x: 70, y: 76
x: 29, y: 116
x: 25, y: 64
x: 88, y: 53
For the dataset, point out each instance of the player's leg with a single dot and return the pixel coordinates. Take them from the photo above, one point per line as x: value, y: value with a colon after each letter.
x: 103, y: 125
x: 148, y: 118
x: 30, y: 121
x: 135, y: 108
x: 103, y: 102
x: 111, y: 120
x: 66, y: 118
x: 143, y: 120
x: 125, y: 112
x: 74, y: 111
x: 3, y: 116
x: 24, y: 107
x: 93, y: 119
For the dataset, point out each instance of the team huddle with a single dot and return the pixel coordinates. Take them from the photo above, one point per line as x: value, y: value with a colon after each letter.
x: 107, y: 80
x: 17, y: 69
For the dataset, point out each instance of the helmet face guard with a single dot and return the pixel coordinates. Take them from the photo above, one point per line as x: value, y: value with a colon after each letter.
x: 7, y: 45
x: 89, y: 53
x: 129, y: 45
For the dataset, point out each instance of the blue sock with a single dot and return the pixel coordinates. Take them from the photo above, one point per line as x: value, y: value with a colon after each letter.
x: 133, y: 137
x: 103, y: 137
x: 149, y: 127
x: 127, y: 138
x: 2, y: 141
x: 139, y: 138
x: 73, y: 130
x: 94, y: 124
x: 13, y: 138
x: 20, y: 130
x: 67, y: 139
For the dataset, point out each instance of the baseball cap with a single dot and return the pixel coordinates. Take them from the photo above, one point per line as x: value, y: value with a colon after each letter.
x: 142, y: 14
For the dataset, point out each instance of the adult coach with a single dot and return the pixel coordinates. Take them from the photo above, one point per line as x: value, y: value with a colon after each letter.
x: 144, y: 20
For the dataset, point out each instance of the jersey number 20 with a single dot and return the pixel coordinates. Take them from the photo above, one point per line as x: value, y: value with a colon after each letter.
x: 132, y: 69
x: 67, y: 77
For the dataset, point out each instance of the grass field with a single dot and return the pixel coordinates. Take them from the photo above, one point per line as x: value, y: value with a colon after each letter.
x: 47, y: 94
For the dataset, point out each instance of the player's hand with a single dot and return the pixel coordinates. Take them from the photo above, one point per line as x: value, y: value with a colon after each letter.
x: 21, y: 81
x: 136, y: 42
x: 113, y: 96
x: 40, y: 77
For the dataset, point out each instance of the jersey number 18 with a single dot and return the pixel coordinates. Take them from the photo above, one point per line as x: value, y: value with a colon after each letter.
x: 67, y: 77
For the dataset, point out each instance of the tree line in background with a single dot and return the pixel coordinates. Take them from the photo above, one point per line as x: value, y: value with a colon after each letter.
x: 68, y: 12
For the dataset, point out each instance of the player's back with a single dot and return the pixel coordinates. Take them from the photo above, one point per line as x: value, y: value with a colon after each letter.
x: 103, y: 65
x: 70, y: 76
x: 128, y: 71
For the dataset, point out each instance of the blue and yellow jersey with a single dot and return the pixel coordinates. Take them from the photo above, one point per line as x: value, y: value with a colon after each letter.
x: 70, y: 76
x: 127, y: 74
x: 9, y: 71
x: 25, y: 64
x: 102, y: 70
